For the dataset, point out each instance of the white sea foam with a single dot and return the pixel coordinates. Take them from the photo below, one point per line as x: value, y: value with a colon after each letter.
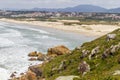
x: 17, y: 59
x: 17, y: 41
x: 5, y: 42
x: 40, y: 31
x: 47, y: 37
x: 11, y: 33
x: 33, y: 29
x: 3, y: 74
x: 1, y: 27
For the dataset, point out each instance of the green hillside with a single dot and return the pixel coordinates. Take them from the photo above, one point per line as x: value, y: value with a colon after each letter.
x: 100, y: 69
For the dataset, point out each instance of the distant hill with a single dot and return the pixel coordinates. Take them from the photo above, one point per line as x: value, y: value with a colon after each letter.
x: 115, y: 10
x: 85, y: 8
x: 79, y: 8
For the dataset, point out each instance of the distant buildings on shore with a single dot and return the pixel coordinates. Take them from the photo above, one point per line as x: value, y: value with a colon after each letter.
x: 33, y: 14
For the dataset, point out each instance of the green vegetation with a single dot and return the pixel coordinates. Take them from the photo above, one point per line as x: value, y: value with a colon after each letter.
x: 90, y: 21
x: 81, y: 21
x: 100, y: 69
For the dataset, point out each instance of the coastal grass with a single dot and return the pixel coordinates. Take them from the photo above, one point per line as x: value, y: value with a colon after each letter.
x: 100, y: 69
x: 92, y: 22
x: 81, y: 21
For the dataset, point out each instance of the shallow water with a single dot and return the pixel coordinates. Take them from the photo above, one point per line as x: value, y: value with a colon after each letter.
x: 17, y: 40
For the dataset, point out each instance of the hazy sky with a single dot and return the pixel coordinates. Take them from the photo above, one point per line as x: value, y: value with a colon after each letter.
x: 23, y: 4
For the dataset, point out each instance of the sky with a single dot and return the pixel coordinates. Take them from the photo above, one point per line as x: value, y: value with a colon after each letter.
x: 28, y: 4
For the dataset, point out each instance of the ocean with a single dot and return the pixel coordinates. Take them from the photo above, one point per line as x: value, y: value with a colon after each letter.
x: 17, y: 40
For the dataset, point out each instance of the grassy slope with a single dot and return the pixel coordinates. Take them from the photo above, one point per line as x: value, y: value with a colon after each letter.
x: 100, y: 69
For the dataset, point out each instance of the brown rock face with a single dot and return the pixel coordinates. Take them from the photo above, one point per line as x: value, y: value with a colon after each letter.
x: 58, y: 50
x: 28, y: 76
x: 33, y: 54
x: 31, y: 75
x: 41, y: 57
x: 36, y: 70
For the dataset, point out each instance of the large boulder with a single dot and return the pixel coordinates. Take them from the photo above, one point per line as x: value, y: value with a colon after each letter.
x: 70, y: 77
x: 115, y: 48
x: 94, y: 52
x: 41, y: 57
x: 31, y: 75
x: 33, y: 54
x: 37, y: 56
x: 58, y: 50
x: 111, y: 51
x: 36, y: 69
x: 106, y: 53
x: 84, y: 53
x: 117, y: 72
x: 110, y: 37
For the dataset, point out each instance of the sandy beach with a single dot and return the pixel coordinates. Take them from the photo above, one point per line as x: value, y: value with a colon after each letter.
x: 88, y: 30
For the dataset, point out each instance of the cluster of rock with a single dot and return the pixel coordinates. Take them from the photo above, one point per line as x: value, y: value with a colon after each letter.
x: 110, y: 37
x: 51, y: 53
x: 90, y: 54
x: 37, y: 56
x: 110, y: 51
x: 94, y: 52
x: 84, y: 67
x: 58, y: 50
x: 30, y: 76
x: 61, y: 67
x: 34, y: 72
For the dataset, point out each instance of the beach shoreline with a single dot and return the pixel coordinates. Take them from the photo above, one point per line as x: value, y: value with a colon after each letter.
x: 87, y: 30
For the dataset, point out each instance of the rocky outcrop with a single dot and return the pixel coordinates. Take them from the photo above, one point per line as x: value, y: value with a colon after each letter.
x: 78, y: 48
x: 58, y: 50
x: 33, y: 54
x: 71, y: 77
x: 52, y: 52
x: 83, y: 67
x: 111, y: 51
x: 31, y: 75
x: 41, y: 57
x: 37, y: 56
x: 110, y: 37
x: 106, y: 53
x: 84, y: 53
x: 36, y: 69
x: 117, y: 72
x: 94, y: 52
